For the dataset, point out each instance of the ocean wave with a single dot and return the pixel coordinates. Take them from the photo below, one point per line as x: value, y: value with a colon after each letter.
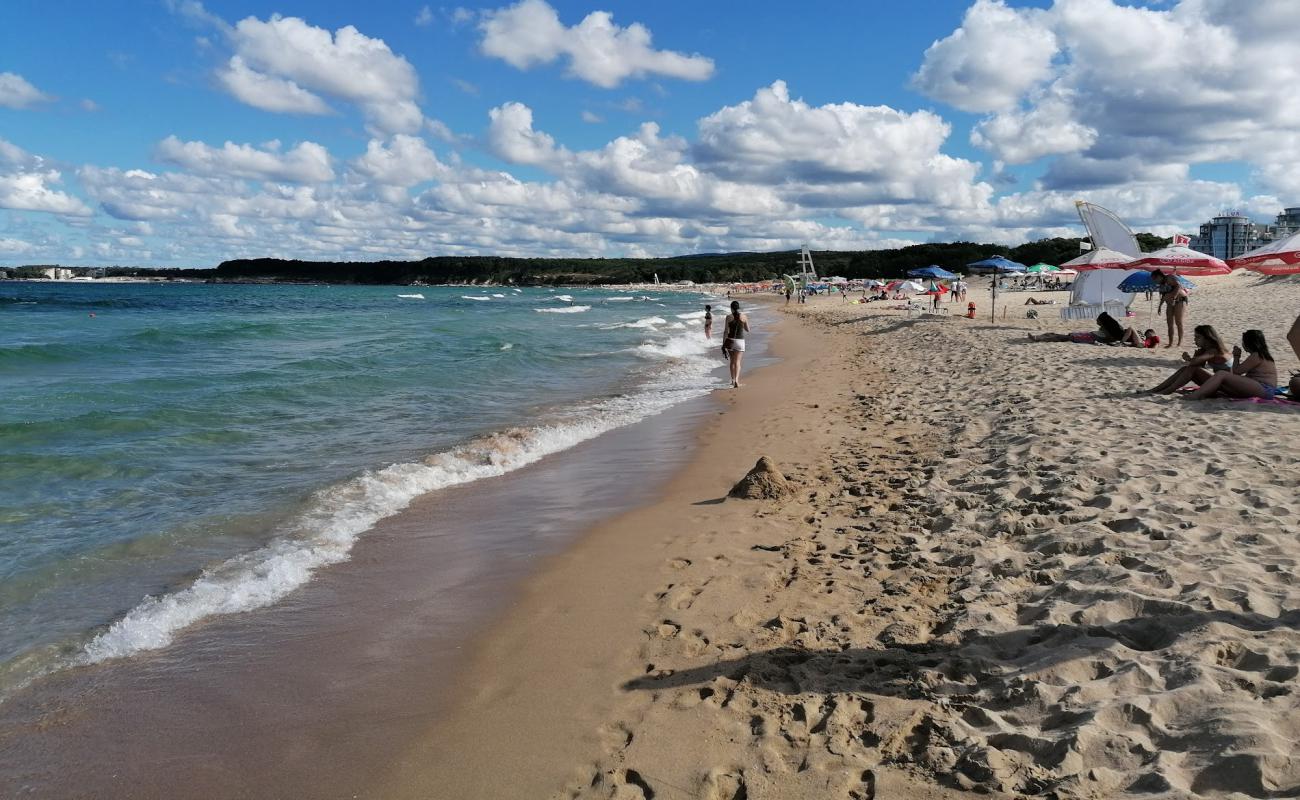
x: 565, y: 310
x: 692, y: 315
x: 564, y: 298
x: 337, y: 516
x: 645, y: 322
x: 411, y: 296
x: 475, y: 297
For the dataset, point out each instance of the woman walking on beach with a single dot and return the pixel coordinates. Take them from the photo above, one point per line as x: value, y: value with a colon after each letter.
x: 1173, y: 298
x: 1211, y: 356
x: 708, y: 322
x: 1254, y: 377
x: 733, y: 340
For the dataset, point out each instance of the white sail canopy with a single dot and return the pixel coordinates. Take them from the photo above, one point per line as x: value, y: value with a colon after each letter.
x: 1107, y: 230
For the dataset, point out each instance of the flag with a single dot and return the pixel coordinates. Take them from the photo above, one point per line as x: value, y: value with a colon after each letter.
x: 1084, y: 247
x: 1181, y: 240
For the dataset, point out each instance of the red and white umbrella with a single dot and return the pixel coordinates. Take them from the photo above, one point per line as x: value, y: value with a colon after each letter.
x: 1181, y: 260
x: 1101, y: 258
x: 1276, y: 258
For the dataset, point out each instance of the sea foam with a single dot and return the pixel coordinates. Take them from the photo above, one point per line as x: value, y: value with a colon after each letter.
x: 564, y: 310
x: 337, y: 516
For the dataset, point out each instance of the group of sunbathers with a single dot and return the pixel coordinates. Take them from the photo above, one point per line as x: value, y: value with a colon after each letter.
x: 1243, y: 371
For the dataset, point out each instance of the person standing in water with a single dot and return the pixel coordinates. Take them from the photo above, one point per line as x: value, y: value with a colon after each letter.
x: 708, y: 322
x: 733, y: 340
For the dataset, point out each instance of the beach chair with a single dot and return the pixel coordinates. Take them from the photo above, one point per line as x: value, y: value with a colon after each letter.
x: 1115, y: 308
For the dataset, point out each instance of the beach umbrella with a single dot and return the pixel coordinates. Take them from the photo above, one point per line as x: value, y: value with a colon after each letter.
x: 1038, y: 269
x: 874, y: 284
x: 1101, y: 258
x: 931, y: 271
x: 1182, y: 260
x: 907, y: 287
x: 1143, y: 282
x: 1276, y: 258
x: 998, y: 264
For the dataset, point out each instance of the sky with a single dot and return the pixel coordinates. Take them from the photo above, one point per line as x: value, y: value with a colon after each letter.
x: 184, y: 133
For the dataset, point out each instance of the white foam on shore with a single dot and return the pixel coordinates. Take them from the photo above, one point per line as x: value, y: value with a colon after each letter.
x: 692, y: 315
x: 565, y: 310
x: 336, y: 516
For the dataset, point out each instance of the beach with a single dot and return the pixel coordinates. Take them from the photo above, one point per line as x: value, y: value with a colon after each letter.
x: 1000, y: 573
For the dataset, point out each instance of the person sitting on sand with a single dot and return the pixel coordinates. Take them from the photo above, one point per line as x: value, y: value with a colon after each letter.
x: 1109, y: 331
x: 1254, y: 377
x: 1149, y: 338
x: 1211, y: 356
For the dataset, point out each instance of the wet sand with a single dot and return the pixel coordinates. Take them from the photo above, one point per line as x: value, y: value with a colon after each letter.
x: 1001, y: 574
x: 317, y: 695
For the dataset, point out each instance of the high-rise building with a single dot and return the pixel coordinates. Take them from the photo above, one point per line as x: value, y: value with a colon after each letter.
x: 1288, y: 222
x: 1229, y: 235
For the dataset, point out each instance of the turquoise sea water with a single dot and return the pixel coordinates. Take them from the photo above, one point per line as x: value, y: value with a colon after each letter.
x: 170, y: 452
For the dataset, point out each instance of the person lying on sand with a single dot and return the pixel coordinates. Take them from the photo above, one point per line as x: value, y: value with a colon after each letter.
x: 1211, y: 356
x: 1254, y: 377
x: 1036, y: 302
x: 1109, y: 331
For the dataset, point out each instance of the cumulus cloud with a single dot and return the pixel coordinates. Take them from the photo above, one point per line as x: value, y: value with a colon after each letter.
x: 1123, y: 93
x: 16, y: 92
x: 305, y: 162
x: 26, y: 182
x: 996, y: 56
x: 284, y: 64
x: 600, y: 52
x: 511, y: 137
x: 267, y: 92
x: 404, y: 161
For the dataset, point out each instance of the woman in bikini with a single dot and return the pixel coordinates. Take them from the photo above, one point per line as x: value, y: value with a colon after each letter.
x: 1173, y: 298
x: 1211, y: 356
x: 1254, y: 377
x: 708, y: 322
x: 734, y: 329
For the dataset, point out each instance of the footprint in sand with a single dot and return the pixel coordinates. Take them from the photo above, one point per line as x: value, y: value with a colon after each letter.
x: 721, y: 785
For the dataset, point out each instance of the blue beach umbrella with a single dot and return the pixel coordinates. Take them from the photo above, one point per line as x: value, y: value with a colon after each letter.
x: 1142, y: 282
x: 998, y: 264
x: 933, y: 272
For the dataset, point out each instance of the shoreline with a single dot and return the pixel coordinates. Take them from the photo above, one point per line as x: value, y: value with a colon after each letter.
x: 376, y: 628
x: 540, y: 700
x: 1001, y: 574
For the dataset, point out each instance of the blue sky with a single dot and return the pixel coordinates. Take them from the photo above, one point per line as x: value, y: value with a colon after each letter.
x: 180, y: 133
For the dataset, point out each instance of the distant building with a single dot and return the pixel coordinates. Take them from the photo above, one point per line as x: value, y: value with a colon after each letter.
x: 1229, y: 235
x: 1232, y: 233
x: 57, y: 273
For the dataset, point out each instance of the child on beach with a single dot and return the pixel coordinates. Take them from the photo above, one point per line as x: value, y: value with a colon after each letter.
x: 734, y: 329
x: 1254, y: 377
x: 1211, y: 356
x: 708, y: 322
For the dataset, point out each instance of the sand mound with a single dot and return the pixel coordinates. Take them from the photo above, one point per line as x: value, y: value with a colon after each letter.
x: 763, y: 482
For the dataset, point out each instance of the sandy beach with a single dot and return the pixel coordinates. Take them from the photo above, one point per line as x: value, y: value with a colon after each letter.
x: 1000, y: 572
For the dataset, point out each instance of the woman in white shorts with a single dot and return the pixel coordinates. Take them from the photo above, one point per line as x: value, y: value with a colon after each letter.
x: 733, y: 340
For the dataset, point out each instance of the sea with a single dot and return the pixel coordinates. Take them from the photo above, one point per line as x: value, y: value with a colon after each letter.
x: 172, y: 453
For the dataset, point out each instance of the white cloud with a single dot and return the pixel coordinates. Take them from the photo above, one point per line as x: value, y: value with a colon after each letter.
x: 425, y: 17
x: 11, y: 247
x: 511, y: 137
x: 1127, y: 93
x: 16, y: 92
x: 268, y: 93
x: 600, y: 52
x: 26, y: 181
x: 280, y: 64
x: 592, y: 117
x: 305, y: 162
x: 89, y: 105
x: 404, y: 161
x: 996, y: 55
